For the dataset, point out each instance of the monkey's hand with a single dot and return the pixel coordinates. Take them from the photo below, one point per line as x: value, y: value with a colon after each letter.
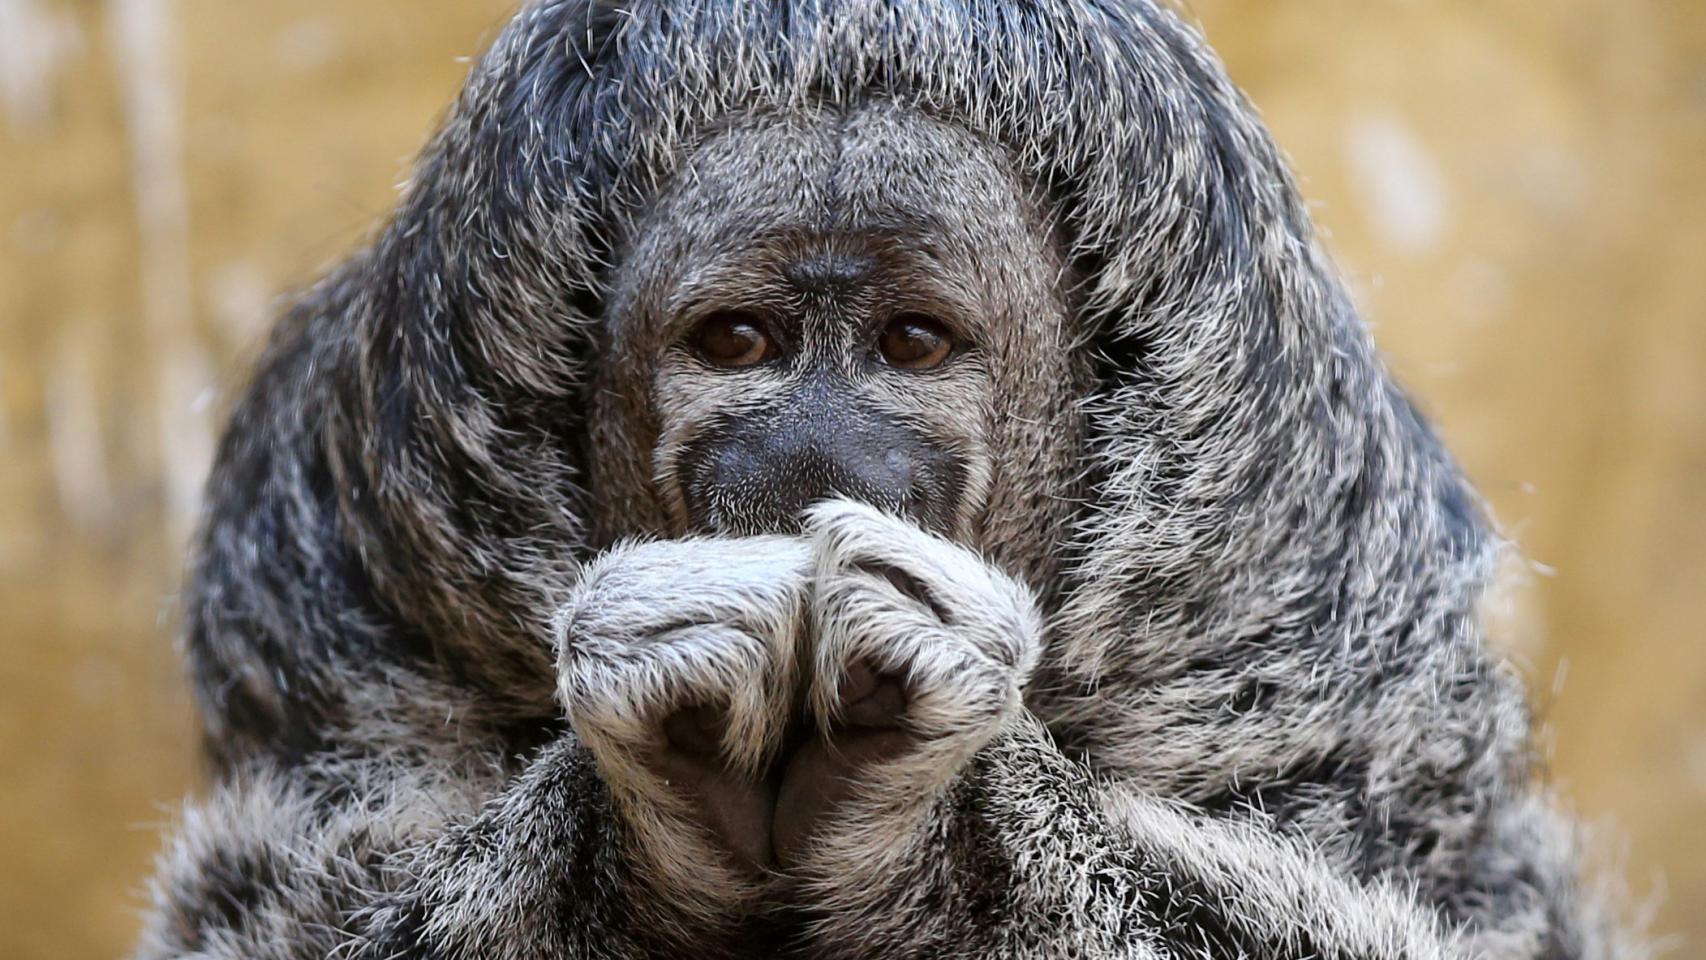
x: 677, y: 665
x: 921, y: 652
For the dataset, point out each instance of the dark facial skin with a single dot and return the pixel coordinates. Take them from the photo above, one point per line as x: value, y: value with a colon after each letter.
x: 820, y: 306
x: 836, y: 357
x: 832, y: 371
x: 830, y: 305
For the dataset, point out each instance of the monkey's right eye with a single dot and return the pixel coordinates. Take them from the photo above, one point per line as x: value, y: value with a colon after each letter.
x: 733, y: 339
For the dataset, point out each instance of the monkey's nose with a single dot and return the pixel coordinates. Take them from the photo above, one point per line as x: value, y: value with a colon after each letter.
x: 764, y: 481
x: 843, y: 465
x: 791, y: 469
x: 760, y: 473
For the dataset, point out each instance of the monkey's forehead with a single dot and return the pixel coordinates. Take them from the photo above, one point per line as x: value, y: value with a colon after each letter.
x: 876, y: 170
x: 875, y: 197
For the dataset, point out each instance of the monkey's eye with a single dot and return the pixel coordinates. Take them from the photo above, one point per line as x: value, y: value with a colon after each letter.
x: 915, y: 342
x: 731, y: 339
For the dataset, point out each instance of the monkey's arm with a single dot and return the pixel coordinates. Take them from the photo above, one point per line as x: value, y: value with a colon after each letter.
x: 938, y: 818
x: 1027, y: 855
x: 596, y: 848
x: 374, y: 859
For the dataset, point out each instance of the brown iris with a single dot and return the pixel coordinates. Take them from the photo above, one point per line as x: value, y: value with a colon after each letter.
x: 915, y: 342
x: 732, y: 339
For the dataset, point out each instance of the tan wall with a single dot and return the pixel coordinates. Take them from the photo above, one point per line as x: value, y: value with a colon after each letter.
x: 1516, y: 189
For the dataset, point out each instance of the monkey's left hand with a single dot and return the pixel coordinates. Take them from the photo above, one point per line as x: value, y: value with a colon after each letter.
x: 921, y: 652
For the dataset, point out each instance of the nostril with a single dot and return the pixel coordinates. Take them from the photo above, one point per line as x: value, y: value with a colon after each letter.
x: 878, y: 475
x: 736, y: 465
x: 897, y: 467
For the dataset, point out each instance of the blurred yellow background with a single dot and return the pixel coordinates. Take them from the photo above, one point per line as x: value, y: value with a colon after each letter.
x: 1517, y: 191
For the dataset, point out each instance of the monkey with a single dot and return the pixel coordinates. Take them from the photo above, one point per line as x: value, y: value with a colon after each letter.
x: 851, y: 479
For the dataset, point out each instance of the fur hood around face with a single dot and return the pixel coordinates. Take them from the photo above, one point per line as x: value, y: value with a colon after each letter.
x: 1264, y: 531
x: 1267, y: 580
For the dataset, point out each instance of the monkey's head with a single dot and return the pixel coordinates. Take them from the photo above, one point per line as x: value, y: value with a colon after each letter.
x: 1031, y: 274
x: 860, y: 303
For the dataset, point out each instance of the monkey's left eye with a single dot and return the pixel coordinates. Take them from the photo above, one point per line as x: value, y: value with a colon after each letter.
x: 915, y: 342
x: 732, y: 339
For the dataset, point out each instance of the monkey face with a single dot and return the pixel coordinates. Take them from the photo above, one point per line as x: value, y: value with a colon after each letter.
x: 825, y: 305
x: 837, y: 373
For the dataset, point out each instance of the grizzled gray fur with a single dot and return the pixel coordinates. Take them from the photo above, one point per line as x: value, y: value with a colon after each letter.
x: 1142, y: 622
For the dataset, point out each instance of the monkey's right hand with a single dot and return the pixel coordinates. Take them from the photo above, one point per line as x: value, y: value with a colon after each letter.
x: 677, y: 666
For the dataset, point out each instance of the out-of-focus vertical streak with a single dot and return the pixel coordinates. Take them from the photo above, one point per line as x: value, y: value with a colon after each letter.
x: 144, y: 45
x: 74, y: 436
x: 34, y: 44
